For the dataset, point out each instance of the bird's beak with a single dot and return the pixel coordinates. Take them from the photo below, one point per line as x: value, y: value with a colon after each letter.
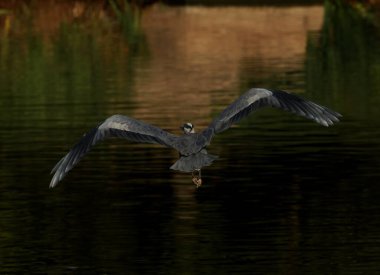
x: 182, y: 128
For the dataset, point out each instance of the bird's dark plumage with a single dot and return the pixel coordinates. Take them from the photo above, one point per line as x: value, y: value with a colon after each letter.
x: 115, y: 126
x: 257, y: 98
x: 190, y: 145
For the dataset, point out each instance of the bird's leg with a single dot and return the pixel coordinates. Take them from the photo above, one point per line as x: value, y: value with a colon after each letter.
x: 197, y: 178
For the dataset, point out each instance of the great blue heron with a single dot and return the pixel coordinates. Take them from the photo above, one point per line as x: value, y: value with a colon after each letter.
x: 191, y: 146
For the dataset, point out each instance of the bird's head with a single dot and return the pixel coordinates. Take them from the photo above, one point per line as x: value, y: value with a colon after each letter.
x: 188, y: 128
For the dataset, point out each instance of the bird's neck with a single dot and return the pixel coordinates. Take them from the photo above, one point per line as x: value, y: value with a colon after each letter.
x: 189, y: 133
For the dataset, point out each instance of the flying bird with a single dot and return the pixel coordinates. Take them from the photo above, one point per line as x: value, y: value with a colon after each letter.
x: 191, y: 145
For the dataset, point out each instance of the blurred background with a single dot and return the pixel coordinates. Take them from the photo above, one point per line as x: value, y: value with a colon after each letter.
x: 287, y: 196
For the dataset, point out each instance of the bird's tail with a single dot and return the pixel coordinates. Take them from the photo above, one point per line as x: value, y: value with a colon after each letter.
x: 193, y: 162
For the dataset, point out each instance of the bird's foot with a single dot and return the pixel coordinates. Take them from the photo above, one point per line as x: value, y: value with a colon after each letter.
x: 197, y: 180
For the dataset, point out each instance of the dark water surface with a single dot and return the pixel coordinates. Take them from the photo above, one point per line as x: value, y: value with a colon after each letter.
x: 286, y: 196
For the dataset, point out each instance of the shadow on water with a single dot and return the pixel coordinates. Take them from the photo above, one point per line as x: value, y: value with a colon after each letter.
x: 286, y: 195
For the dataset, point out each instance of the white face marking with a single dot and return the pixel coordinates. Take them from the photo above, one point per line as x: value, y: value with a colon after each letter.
x: 188, y: 128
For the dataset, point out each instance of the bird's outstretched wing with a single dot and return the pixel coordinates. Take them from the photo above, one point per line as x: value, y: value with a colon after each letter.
x: 257, y: 97
x: 114, y: 126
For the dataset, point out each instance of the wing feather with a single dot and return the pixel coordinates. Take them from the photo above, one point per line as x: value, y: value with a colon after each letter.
x: 115, y: 126
x: 257, y: 98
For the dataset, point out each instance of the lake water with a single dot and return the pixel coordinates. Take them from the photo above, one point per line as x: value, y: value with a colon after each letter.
x: 287, y: 196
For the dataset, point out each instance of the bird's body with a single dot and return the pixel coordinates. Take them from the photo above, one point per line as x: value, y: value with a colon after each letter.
x: 191, y: 145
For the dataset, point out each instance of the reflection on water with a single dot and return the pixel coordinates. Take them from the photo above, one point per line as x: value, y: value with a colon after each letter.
x: 286, y: 196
